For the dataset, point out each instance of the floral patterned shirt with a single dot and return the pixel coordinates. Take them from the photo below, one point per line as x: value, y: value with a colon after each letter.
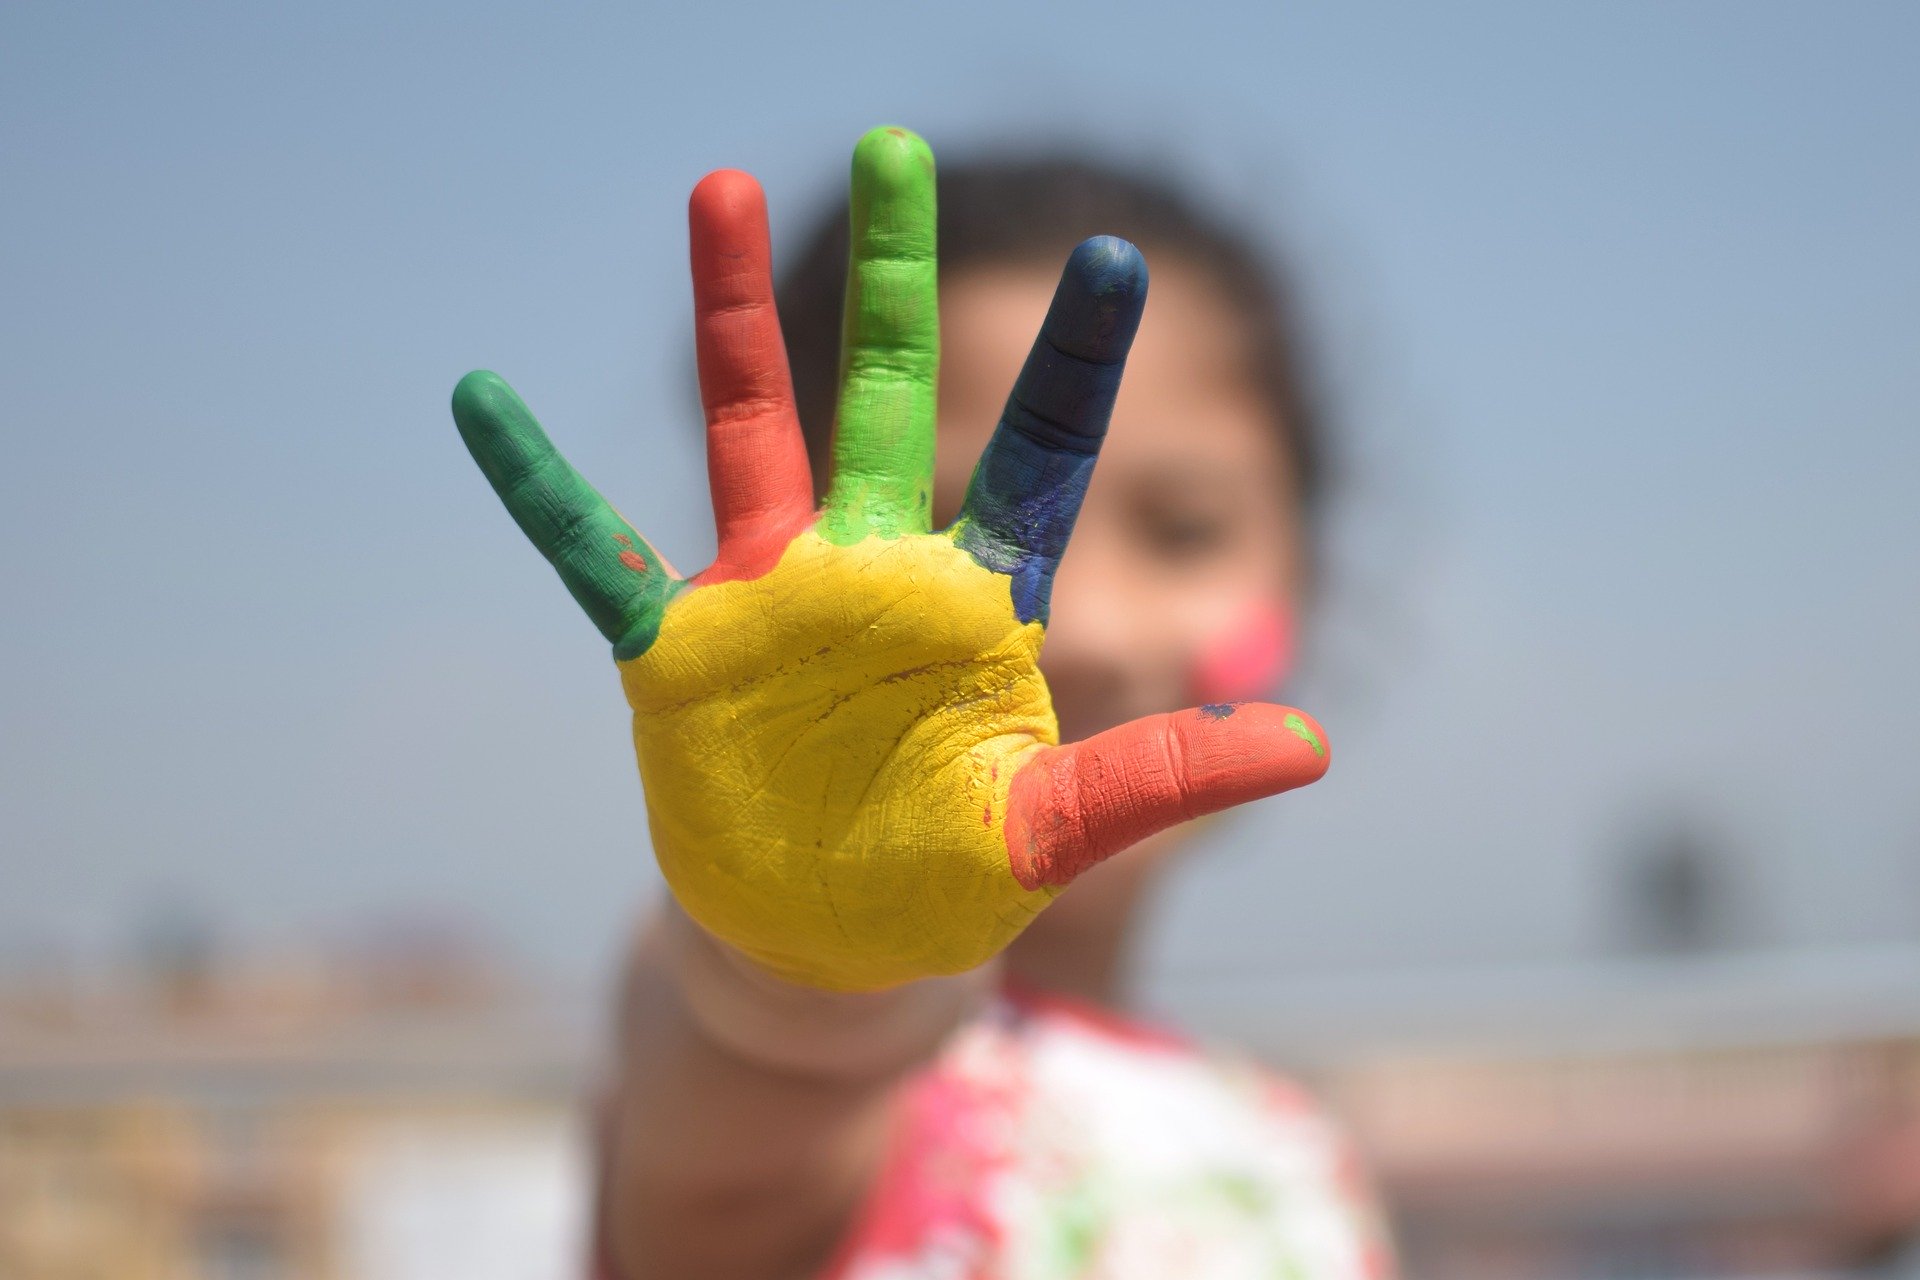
x: 1054, y: 1141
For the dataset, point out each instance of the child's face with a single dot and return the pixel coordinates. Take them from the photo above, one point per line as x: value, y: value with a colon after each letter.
x: 1189, y: 541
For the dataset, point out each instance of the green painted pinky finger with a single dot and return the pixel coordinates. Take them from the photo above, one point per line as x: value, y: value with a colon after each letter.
x: 619, y: 580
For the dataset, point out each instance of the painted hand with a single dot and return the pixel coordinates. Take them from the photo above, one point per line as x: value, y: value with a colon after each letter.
x: 849, y: 754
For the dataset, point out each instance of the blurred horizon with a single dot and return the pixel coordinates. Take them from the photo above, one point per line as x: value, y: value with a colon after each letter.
x: 1617, y: 311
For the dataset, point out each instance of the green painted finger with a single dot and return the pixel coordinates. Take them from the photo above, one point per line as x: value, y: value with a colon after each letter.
x: 618, y: 579
x: 889, y: 346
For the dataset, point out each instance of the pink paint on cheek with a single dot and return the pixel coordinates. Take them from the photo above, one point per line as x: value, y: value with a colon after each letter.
x: 1249, y: 659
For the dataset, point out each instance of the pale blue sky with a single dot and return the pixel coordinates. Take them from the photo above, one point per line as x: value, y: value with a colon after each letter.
x: 1621, y: 303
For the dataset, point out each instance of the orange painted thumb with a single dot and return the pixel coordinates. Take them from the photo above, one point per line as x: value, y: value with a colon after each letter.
x: 1073, y: 806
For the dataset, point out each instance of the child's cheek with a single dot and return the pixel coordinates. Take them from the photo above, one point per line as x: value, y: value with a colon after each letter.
x: 1247, y: 660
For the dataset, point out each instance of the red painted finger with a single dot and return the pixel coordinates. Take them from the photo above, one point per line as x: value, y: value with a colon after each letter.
x: 756, y: 457
x: 1074, y: 806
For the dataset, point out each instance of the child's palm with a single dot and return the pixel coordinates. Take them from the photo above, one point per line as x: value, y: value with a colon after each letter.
x: 847, y: 747
x: 830, y: 792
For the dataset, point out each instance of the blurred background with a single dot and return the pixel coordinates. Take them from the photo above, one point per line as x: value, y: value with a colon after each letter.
x: 319, y: 833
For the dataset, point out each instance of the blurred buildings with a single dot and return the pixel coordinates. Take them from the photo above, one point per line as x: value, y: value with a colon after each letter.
x: 1738, y: 1115
x: 1764, y: 1160
x: 410, y: 1118
x: 416, y: 1116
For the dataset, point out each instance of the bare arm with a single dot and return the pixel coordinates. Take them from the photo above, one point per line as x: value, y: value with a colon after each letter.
x: 749, y: 1115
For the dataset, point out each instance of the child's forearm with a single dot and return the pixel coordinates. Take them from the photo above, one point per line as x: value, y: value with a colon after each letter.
x: 778, y: 1027
x: 749, y: 1115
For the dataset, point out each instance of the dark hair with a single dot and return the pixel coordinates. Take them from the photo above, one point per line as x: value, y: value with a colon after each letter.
x: 1035, y: 211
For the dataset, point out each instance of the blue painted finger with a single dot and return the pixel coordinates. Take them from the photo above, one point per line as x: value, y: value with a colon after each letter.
x: 1026, y: 490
